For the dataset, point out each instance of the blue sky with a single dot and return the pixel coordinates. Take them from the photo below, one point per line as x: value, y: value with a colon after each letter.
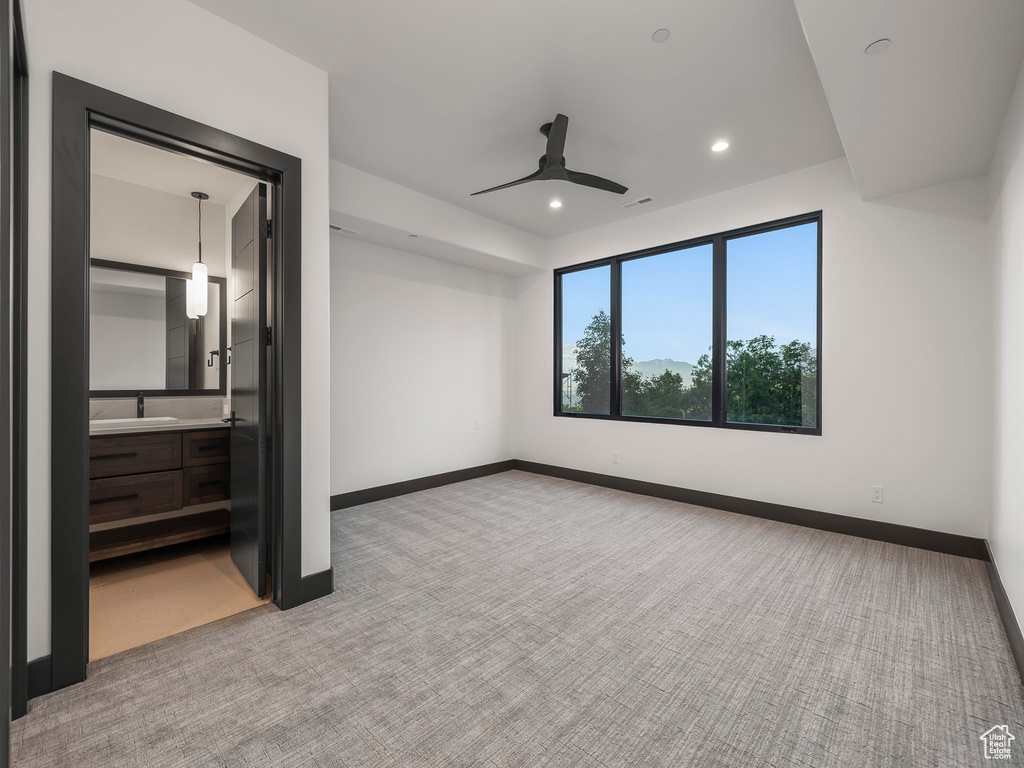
x: 666, y: 299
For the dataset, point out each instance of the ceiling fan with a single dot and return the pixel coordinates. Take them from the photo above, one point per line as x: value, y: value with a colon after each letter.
x: 552, y: 164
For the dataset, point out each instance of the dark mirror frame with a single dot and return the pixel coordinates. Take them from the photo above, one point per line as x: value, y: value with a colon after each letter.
x: 221, y: 391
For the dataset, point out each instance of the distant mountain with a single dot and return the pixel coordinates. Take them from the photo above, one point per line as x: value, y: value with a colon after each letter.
x: 646, y: 368
x: 651, y: 368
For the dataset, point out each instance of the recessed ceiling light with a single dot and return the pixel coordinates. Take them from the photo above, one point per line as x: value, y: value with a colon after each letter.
x: 660, y: 36
x: 878, y: 46
x: 555, y: 203
x: 720, y: 146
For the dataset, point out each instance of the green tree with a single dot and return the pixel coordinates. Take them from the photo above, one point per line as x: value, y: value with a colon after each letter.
x: 697, y: 399
x: 592, y: 373
x: 767, y: 384
x: 662, y: 396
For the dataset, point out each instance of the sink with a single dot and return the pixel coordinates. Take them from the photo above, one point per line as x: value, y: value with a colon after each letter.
x: 118, y: 423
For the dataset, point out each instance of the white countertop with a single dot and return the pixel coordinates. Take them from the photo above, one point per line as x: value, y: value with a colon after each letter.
x: 97, y: 427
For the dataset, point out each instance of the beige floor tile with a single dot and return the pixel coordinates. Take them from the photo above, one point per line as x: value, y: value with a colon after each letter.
x: 106, y: 639
x: 226, y: 602
x: 140, y: 598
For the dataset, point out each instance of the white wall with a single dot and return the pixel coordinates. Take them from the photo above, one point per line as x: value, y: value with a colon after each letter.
x: 139, y: 225
x: 906, y: 354
x: 1006, y: 531
x: 174, y: 55
x: 379, y: 208
x: 420, y: 352
x: 127, y: 340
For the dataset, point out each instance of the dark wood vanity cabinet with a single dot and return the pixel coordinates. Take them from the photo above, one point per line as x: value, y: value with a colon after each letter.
x: 134, y: 454
x: 211, y: 446
x: 207, y: 483
x: 137, y: 476
x: 121, y: 498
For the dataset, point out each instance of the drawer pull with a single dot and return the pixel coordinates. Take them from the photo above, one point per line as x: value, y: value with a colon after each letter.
x: 115, y: 456
x: 209, y: 447
x: 112, y: 499
x: 208, y: 483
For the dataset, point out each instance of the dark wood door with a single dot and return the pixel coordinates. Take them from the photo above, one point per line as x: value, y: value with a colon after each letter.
x: 248, y: 381
x: 177, y: 335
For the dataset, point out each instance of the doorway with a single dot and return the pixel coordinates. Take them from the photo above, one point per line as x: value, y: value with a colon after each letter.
x: 270, y: 528
x: 171, y: 468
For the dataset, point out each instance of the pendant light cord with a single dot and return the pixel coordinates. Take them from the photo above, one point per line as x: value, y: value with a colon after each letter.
x: 200, y: 230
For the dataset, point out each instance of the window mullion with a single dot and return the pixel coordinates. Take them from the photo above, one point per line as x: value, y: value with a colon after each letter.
x: 558, y: 345
x: 719, y: 350
x: 616, y: 339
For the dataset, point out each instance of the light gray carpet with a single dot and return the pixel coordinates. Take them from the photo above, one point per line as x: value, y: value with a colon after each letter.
x: 517, y: 620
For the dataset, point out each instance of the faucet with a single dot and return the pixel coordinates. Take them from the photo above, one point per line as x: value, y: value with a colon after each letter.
x: 140, y: 406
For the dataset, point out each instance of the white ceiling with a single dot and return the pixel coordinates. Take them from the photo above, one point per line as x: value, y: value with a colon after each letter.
x: 147, y: 166
x: 121, y: 281
x: 443, y: 250
x: 446, y: 97
x: 929, y: 109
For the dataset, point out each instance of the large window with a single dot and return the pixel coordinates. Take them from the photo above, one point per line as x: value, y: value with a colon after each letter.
x: 667, y: 323
x: 719, y: 331
x: 771, y: 369
x: 586, y: 362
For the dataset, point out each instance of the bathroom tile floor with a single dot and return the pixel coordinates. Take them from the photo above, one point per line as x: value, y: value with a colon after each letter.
x: 136, y: 599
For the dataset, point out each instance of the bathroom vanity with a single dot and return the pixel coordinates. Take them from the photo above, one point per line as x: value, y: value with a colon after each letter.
x: 160, y: 478
x: 156, y: 482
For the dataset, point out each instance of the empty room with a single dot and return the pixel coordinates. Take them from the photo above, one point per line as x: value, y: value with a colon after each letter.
x: 512, y: 383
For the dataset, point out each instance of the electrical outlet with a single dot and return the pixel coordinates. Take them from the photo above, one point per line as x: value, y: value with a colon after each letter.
x: 615, y: 457
x: 876, y: 494
x: 476, y: 424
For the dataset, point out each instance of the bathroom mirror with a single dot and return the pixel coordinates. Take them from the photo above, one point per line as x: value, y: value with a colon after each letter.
x: 140, y: 339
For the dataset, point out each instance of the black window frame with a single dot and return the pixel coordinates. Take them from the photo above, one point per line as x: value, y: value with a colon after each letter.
x: 719, y: 311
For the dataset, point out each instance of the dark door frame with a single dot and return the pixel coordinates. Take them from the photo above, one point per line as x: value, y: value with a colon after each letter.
x: 13, y: 235
x: 77, y: 108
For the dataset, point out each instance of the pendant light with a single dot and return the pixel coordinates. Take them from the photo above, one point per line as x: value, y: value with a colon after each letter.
x: 196, y: 290
x: 190, y: 309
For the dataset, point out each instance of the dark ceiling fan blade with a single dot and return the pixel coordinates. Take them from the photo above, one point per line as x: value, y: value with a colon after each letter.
x: 531, y: 177
x: 589, y: 180
x: 556, y: 140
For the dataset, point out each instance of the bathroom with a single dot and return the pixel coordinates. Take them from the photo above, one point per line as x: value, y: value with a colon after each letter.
x: 168, y: 451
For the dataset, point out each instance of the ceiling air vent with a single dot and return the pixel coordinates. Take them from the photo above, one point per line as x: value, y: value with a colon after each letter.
x: 641, y: 201
x: 343, y: 230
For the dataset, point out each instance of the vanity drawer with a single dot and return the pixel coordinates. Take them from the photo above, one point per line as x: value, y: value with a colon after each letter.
x: 133, y: 454
x: 206, y: 484
x: 120, y: 498
x: 209, y: 446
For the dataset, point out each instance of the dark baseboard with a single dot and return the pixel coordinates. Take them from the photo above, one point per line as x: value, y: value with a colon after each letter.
x: 935, y: 541
x: 1006, y: 613
x: 922, y: 538
x: 40, y: 678
x: 365, y: 496
x: 317, y: 585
